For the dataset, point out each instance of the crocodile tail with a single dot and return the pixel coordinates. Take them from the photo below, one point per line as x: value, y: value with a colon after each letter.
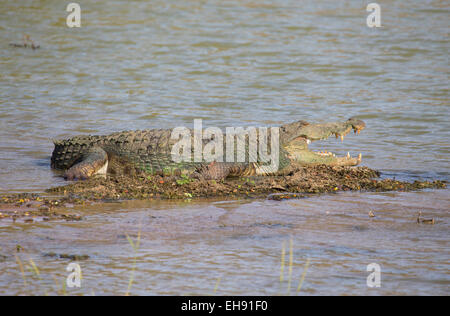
x: 66, y: 153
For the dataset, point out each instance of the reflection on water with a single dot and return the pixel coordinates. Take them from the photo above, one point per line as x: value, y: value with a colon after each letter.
x: 232, y: 63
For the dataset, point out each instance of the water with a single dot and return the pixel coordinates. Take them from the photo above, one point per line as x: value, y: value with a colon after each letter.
x: 137, y: 65
x: 186, y: 248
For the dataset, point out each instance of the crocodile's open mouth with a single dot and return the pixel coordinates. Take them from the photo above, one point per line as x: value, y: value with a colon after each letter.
x: 298, y: 147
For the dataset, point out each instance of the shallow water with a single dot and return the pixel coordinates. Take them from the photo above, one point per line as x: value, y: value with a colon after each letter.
x: 234, y: 247
x: 139, y: 65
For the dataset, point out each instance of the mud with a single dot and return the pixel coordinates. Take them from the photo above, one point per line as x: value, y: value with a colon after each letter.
x: 32, y: 208
x: 56, y: 203
x: 319, y: 179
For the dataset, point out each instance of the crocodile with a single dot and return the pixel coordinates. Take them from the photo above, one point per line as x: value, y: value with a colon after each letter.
x: 150, y: 152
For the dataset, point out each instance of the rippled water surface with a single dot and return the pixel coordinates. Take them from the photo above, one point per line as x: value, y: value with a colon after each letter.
x: 140, y: 64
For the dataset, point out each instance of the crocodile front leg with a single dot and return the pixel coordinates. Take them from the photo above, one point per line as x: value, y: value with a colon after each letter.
x: 94, y: 161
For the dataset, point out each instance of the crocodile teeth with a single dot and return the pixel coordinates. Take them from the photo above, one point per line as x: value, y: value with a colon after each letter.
x: 308, y: 141
x: 359, y: 156
x: 348, y: 155
x: 325, y: 153
x: 342, y: 138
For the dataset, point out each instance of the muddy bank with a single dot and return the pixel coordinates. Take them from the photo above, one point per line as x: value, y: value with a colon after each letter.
x: 56, y: 203
x: 31, y: 208
x: 319, y: 179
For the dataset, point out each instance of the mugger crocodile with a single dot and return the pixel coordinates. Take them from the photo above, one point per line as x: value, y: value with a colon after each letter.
x: 150, y: 151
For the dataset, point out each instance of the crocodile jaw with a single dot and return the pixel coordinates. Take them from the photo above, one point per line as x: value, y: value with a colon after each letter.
x: 298, y: 135
x: 304, y: 156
